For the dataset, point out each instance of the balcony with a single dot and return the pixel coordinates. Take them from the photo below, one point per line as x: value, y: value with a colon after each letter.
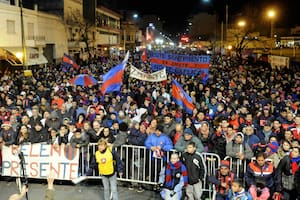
x: 35, y: 40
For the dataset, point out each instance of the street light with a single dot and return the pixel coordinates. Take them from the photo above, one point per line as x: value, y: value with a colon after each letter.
x: 135, y: 16
x: 271, y: 16
x: 241, y: 23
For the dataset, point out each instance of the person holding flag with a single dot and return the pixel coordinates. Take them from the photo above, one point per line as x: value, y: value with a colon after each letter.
x: 68, y: 61
x: 181, y: 98
x: 112, y: 80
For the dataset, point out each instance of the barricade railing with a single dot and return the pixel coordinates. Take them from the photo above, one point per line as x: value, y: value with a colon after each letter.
x: 141, y: 167
x: 237, y: 166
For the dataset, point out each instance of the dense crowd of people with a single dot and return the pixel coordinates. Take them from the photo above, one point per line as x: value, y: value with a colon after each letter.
x: 243, y: 110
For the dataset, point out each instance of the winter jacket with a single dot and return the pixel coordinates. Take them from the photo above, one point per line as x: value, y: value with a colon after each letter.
x: 219, y: 178
x: 181, y: 144
x: 169, y: 129
x: 162, y: 140
x: 9, y: 136
x: 233, y: 148
x: 135, y: 137
x: 195, y: 167
x: 265, y: 174
x: 252, y: 141
x: 285, y: 168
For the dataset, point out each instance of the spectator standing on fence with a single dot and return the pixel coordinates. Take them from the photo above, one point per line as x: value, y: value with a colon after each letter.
x: 109, y: 164
x: 286, y: 171
x: 196, y: 171
x: 173, y: 179
x: 223, y: 180
x: 186, y: 138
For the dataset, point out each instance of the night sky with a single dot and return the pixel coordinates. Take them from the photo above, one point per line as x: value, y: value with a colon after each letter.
x: 175, y: 13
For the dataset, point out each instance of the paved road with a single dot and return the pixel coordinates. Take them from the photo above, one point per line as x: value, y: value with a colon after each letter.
x: 74, y: 192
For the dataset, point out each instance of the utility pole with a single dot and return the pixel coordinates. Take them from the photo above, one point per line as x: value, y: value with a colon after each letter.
x: 23, y: 35
x: 226, y: 22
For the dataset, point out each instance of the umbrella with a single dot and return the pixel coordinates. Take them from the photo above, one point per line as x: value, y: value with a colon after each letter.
x: 83, y: 80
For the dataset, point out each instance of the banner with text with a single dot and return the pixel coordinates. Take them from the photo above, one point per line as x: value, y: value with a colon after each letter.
x: 279, y: 61
x: 192, y: 65
x: 40, y: 159
x: 157, y: 76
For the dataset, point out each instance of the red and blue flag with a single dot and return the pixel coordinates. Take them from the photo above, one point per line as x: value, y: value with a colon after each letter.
x: 112, y: 80
x: 181, y: 98
x: 67, y: 61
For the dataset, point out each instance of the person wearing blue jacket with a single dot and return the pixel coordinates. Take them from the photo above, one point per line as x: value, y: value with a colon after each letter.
x: 238, y: 192
x: 158, y: 144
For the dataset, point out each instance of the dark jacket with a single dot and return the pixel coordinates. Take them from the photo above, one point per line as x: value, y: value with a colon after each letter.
x: 135, y: 137
x: 39, y: 136
x: 9, y: 136
x: 195, y: 167
x: 219, y: 178
x: 284, y: 168
x: 265, y: 174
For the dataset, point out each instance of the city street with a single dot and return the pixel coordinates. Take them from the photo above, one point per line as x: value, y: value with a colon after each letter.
x: 74, y: 192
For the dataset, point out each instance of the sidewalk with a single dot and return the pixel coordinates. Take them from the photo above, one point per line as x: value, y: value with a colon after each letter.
x: 73, y: 192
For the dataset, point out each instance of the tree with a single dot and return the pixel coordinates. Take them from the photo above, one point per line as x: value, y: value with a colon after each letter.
x: 85, y: 29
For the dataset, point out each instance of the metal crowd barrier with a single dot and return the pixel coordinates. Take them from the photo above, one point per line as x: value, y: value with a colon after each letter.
x: 141, y: 168
x: 237, y: 166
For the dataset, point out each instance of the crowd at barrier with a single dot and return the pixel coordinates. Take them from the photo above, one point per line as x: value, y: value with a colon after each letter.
x: 241, y: 111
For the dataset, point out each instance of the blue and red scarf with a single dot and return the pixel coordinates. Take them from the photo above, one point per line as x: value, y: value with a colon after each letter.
x: 175, y: 166
x: 294, y: 163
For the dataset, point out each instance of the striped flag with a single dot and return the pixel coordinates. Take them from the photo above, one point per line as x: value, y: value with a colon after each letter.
x: 181, y: 98
x: 112, y: 80
x: 68, y: 61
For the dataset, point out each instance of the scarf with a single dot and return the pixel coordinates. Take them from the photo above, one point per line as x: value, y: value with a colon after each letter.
x: 294, y: 163
x: 177, y: 165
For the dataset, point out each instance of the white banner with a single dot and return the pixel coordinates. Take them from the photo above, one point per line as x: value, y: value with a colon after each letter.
x: 40, y: 159
x: 279, y: 61
x: 157, y: 76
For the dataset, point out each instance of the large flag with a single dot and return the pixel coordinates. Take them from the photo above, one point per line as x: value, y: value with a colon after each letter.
x: 68, y: 61
x: 144, y: 56
x: 181, y: 98
x: 112, y: 80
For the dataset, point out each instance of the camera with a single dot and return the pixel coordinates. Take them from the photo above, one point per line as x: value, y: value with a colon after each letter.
x: 172, y: 193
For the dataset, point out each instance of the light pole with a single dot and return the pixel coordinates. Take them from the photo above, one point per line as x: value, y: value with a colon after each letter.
x: 271, y: 15
x: 23, y: 35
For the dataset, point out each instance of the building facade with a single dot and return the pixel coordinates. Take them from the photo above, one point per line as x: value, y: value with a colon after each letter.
x: 44, y: 35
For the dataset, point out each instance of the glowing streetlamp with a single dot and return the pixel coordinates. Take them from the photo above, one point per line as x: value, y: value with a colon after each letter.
x: 241, y: 23
x: 271, y: 15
